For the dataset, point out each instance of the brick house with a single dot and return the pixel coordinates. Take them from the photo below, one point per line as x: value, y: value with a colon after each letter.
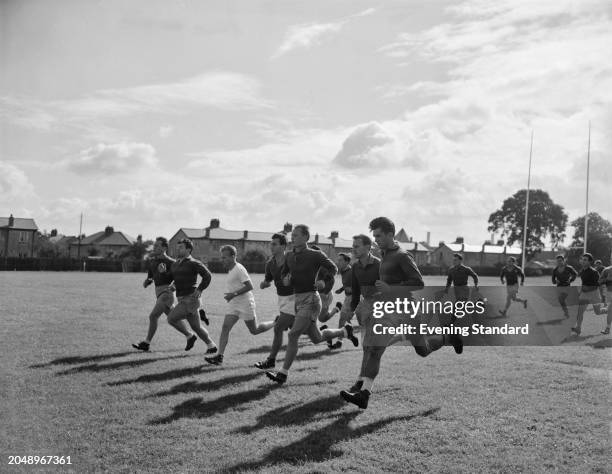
x: 485, y: 255
x: 106, y: 243
x: 17, y: 236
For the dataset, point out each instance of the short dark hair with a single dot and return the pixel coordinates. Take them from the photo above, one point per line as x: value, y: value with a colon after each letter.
x: 229, y: 248
x: 282, y: 238
x: 345, y: 256
x: 383, y: 223
x: 589, y: 256
x: 562, y: 257
x: 303, y: 229
x: 365, y: 240
x: 458, y: 255
x: 512, y: 259
x: 187, y: 243
x: 316, y: 247
x: 163, y: 240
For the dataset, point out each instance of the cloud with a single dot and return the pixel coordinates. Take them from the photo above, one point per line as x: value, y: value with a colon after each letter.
x: 165, y: 131
x: 307, y: 35
x: 14, y: 184
x: 372, y: 145
x: 115, y: 159
x: 220, y: 90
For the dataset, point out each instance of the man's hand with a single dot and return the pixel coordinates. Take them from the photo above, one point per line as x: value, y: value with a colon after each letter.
x: 264, y: 284
x: 229, y: 296
x: 171, y: 287
x: 197, y: 294
x: 339, y: 290
x: 147, y: 282
x: 287, y: 279
x: 320, y: 284
x: 382, y: 287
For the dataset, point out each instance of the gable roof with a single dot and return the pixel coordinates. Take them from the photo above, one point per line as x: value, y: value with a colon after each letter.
x: 193, y: 233
x: 19, y: 223
x: 93, y: 238
x: 118, y: 238
x: 401, y: 236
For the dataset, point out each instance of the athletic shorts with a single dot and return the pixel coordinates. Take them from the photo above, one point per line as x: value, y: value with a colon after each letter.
x: 364, y: 312
x: 563, y: 290
x: 164, y: 302
x: 512, y: 290
x: 308, y: 305
x: 245, y: 309
x: 589, y: 297
x: 286, y: 304
x: 187, y: 306
x: 462, y: 293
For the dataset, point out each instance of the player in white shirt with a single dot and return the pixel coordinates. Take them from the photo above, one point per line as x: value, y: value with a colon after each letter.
x: 241, y: 301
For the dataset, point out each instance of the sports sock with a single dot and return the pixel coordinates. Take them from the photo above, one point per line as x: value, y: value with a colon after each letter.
x: 367, y: 384
x: 283, y: 371
x: 148, y: 341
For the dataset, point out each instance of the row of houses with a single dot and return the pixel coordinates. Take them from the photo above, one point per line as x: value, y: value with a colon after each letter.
x: 17, y: 237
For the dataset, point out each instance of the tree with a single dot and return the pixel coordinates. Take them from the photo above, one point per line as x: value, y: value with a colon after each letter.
x: 254, y: 256
x: 137, y: 250
x: 599, y: 238
x: 545, y: 219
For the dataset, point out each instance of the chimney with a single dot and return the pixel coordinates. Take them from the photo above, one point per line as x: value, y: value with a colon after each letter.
x: 109, y: 230
x: 459, y: 240
x: 462, y: 245
x: 287, y: 228
x: 316, y: 239
x: 428, y: 237
x: 246, y: 235
x: 441, y: 243
x: 139, y: 239
x: 214, y: 223
x: 410, y: 239
x: 492, y: 238
x: 11, y: 221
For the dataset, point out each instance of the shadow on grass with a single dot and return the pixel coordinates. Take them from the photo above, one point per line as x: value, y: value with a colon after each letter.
x: 603, y: 344
x: 115, y: 365
x: 168, y: 375
x: 293, y: 414
x: 207, y: 385
x: 552, y: 322
x: 80, y: 359
x: 574, y: 338
x: 267, y: 349
x: 318, y: 446
x: 198, y: 408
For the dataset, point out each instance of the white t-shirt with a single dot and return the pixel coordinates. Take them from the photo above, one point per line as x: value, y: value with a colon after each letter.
x: 235, y: 281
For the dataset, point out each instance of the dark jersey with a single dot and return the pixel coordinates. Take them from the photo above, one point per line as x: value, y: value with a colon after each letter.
x: 458, y: 275
x: 512, y: 275
x: 304, y: 267
x: 590, y: 279
x: 154, y: 266
x: 185, y: 272
x: 565, y: 276
x: 398, y: 268
x: 363, y: 279
x: 274, y: 272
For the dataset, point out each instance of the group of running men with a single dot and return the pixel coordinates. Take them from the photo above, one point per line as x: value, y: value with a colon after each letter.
x: 304, y: 277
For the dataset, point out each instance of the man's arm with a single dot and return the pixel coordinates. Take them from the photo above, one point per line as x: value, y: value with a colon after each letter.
x: 356, y: 292
x: 573, y: 274
x: 411, y: 271
x: 502, y: 275
x: 472, y: 273
x: 327, y: 264
x: 554, y: 277
x: 449, y: 278
x: 206, y: 276
x: 268, y: 276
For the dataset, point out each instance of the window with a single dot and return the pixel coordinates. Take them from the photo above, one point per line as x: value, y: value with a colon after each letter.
x: 23, y: 236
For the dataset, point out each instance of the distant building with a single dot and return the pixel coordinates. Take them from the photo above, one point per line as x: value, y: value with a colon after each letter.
x: 485, y: 255
x: 106, y: 243
x: 17, y: 236
x: 208, y: 241
x: 419, y: 250
x: 62, y: 243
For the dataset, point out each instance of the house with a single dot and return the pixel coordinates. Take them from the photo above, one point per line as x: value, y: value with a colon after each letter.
x: 419, y: 250
x: 207, y: 242
x: 485, y: 255
x: 17, y: 236
x: 106, y: 243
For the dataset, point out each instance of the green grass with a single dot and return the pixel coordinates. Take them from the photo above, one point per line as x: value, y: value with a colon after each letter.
x: 72, y: 385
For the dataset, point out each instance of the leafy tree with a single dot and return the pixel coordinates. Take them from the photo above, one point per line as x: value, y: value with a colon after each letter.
x: 599, y: 238
x: 254, y: 256
x: 137, y: 250
x: 545, y: 219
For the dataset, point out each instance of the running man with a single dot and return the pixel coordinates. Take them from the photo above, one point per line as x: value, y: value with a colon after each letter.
x: 185, y: 271
x: 325, y: 284
x: 563, y: 275
x: 599, y: 266
x: 458, y: 276
x: 605, y: 283
x: 365, y: 273
x: 346, y: 314
x: 304, y: 264
x: 397, y: 269
x: 286, y: 299
x: 511, y: 273
x: 589, y: 292
x: 241, y: 301
x: 159, y: 266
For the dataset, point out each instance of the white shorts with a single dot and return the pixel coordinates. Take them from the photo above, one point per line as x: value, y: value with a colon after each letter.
x: 286, y: 304
x: 245, y: 310
x: 589, y: 297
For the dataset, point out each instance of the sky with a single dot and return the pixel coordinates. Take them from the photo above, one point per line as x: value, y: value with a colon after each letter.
x: 154, y: 115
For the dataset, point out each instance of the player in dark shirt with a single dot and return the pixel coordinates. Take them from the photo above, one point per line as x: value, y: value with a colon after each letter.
x: 458, y: 276
x: 185, y: 272
x: 605, y: 284
x: 286, y: 298
x: 589, y: 291
x: 397, y: 268
x: 563, y: 275
x: 346, y: 313
x: 599, y: 266
x: 511, y: 274
x: 159, y: 273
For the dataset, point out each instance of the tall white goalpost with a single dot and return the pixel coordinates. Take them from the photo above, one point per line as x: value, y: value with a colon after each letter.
x: 527, y: 205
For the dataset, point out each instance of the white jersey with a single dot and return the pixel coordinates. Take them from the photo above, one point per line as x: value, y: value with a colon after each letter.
x: 235, y: 281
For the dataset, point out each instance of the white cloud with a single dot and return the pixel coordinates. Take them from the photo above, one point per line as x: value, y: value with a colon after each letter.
x: 165, y: 131
x: 14, y: 184
x: 307, y: 35
x: 118, y: 158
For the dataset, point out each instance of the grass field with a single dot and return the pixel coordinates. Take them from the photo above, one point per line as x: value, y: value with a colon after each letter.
x: 71, y: 385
